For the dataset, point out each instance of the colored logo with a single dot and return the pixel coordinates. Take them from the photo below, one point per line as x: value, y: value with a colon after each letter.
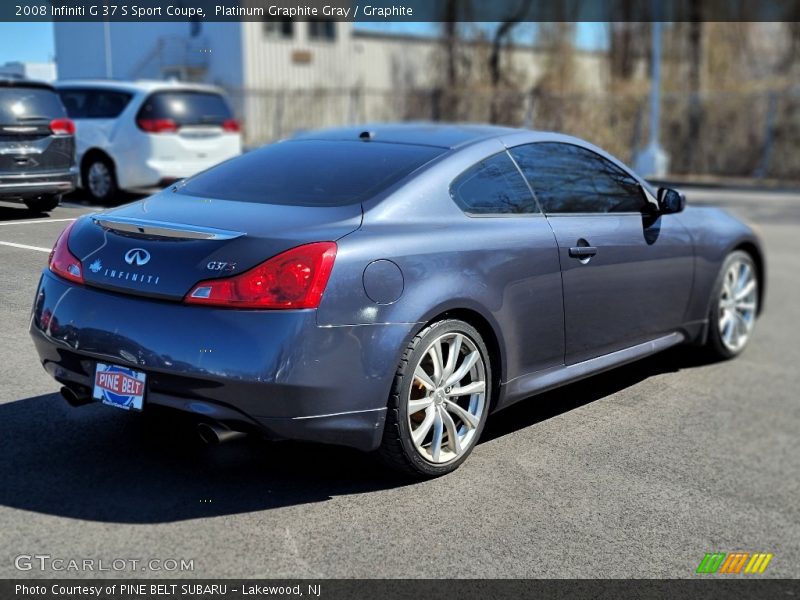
x: 96, y: 266
x: 119, y: 386
x: 137, y: 256
x: 734, y: 562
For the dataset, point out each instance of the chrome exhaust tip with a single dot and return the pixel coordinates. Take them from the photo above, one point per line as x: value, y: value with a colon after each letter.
x: 74, y: 398
x: 216, y: 433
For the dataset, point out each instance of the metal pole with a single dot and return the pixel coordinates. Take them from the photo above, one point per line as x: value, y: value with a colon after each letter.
x: 655, y: 86
x: 107, y: 49
x: 652, y: 161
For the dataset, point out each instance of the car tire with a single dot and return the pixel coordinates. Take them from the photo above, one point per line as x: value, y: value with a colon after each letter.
x: 733, y: 306
x: 99, y: 179
x: 43, y: 204
x: 421, y: 418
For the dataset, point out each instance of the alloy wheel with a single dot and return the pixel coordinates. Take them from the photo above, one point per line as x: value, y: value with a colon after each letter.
x: 99, y: 179
x: 447, y: 398
x: 737, y: 305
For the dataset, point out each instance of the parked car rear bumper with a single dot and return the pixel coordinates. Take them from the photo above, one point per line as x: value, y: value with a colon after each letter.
x: 28, y: 185
x: 275, y: 371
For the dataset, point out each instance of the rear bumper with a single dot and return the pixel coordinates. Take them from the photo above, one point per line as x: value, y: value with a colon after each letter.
x: 32, y: 185
x: 276, y: 371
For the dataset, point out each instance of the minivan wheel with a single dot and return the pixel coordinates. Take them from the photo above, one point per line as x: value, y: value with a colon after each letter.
x: 99, y: 179
x: 734, y: 306
x: 439, y: 401
x: 43, y: 204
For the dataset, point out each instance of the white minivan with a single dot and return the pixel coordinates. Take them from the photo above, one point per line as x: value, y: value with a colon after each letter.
x: 141, y: 135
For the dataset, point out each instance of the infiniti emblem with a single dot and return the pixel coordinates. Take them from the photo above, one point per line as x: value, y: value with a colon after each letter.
x: 137, y: 256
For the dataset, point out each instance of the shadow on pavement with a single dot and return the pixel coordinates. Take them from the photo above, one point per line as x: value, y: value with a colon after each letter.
x: 18, y: 212
x: 101, y: 464
x: 569, y: 397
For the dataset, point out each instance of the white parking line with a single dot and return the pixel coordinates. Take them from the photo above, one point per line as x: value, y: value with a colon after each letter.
x: 34, y: 221
x: 25, y: 247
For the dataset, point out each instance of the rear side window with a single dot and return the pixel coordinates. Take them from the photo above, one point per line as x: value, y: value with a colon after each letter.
x: 186, y: 108
x: 20, y: 104
x: 571, y: 179
x: 311, y: 172
x: 94, y: 104
x: 494, y: 186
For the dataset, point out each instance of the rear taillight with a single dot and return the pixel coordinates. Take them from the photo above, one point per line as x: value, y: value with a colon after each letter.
x: 231, y: 125
x: 62, y: 262
x: 293, y: 279
x: 157, y: 125
x: 62, y: 127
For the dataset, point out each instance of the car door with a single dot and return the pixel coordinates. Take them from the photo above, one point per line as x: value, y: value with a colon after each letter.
x: 517, y: 247
x: 626, y: 272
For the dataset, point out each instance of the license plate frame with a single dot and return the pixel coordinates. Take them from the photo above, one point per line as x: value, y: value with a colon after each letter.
x: 120, y: 387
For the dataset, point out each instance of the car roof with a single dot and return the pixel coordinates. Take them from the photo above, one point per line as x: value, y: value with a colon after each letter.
x: 442, y: 135
x: 142, y: 85
x: 14, y: 81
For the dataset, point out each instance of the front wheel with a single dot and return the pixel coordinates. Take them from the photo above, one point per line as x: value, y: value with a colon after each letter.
x: 439, y: 402
x: 734, y: 306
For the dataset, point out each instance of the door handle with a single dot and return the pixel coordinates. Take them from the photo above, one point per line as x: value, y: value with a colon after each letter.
x: 582, y: 251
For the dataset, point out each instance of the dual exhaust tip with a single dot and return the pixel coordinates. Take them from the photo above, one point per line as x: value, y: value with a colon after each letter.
x: 211, y: 433
x: 217, y: 433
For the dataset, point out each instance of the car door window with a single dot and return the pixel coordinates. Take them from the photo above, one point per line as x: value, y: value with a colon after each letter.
x: 493, y: 186
x: 571, y: 179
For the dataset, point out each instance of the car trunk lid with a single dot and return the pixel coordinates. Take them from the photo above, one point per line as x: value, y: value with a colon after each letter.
x: 162, y: 246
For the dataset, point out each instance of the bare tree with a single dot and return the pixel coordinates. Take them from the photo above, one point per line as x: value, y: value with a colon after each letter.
x: 500, y: 39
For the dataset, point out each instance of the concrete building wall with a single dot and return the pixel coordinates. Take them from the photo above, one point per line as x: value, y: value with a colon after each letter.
x: 209, y: 52
x: 45, y: 71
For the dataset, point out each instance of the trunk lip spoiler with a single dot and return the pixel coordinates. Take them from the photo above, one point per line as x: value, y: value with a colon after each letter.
x: 164, y: 229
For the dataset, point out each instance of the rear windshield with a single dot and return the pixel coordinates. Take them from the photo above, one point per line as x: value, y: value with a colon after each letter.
x: 186, y: 108
x: 311, y: 172
x: 29, y: 104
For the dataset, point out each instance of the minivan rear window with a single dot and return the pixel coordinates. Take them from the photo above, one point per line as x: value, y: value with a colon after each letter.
x: 311, y: 172
x: 29, y: 104
x: 186, y: 108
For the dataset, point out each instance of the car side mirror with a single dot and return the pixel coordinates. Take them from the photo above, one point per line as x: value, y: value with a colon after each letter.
x: 670, y: 201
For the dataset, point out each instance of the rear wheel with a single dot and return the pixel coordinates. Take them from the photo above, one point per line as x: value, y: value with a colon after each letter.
x: 43, y: 204
x: 99, y: 179
x: 439, y: 402
x: 734, y: 306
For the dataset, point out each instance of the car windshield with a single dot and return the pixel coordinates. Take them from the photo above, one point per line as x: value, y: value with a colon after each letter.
x: 311, y: 172
x: 186, y: 108
x: 20, y: 104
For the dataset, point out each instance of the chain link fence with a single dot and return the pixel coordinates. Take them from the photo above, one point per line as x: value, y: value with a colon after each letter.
x: 715, y: 134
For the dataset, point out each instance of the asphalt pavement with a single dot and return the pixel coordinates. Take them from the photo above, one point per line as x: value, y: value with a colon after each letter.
x: 635, y: 473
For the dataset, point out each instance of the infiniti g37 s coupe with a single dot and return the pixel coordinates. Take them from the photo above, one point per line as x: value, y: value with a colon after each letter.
x: 388, y: 288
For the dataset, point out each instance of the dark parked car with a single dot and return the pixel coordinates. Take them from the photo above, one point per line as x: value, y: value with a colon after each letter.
x: 388, y: 289
x: 37, y: 145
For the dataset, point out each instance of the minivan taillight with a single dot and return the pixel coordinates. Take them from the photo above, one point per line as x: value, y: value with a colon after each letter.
x: 295, y: 278
x: 231, y: 125
x: 157, y: 125
x: 62, y: 262
x: 62, y: 127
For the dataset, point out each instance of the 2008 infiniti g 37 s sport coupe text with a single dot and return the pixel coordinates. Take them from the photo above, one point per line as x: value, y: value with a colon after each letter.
x: 388, y: 289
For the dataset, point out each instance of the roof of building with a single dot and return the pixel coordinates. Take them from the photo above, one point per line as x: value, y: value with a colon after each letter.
x: 443, y: 135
